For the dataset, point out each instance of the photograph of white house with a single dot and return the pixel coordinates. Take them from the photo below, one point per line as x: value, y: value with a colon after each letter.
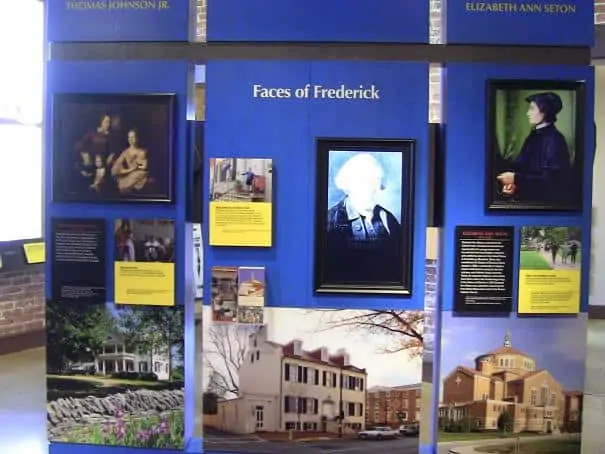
x: 113, y: 372
x: 303, y: 375
x: 116, y: 357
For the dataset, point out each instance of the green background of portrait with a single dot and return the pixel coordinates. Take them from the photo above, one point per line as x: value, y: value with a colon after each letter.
x: 512, y: 126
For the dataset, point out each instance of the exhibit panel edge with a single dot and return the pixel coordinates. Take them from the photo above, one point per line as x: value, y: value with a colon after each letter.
x: 470, y: 122
x: 118, y: 77
x: 157, y: 21
x: 232, y: 83
x: 314, y: 21
x: 472, y: 23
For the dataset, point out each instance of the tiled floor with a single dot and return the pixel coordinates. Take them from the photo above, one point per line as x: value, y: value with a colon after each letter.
x: 22, y: 403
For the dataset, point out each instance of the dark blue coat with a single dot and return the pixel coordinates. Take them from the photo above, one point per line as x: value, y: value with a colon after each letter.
x: 542, y: 168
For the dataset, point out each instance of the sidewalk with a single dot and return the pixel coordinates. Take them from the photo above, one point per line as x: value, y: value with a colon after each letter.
x: 468, y: 447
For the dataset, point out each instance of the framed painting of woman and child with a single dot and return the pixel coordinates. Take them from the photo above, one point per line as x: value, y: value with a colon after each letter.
x: 112, y: 148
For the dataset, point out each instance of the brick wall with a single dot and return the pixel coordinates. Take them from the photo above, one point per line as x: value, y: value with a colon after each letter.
x: 21, y: 303
x: 201, y: 20
x: 599, y: 12
x: 383, y: 406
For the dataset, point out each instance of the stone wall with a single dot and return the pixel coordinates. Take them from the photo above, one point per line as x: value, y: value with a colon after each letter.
x: 65, y: 414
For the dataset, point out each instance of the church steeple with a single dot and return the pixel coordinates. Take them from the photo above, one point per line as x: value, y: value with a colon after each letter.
x: 507, y: 337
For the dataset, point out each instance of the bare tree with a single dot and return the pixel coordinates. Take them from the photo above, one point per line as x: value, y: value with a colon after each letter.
x: 403, y: 328
x: 224, y: 351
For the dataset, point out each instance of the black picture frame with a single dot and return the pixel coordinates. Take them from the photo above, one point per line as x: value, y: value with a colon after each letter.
x: 334, y: 243
x: 570, y: 199
x: 76, y: 119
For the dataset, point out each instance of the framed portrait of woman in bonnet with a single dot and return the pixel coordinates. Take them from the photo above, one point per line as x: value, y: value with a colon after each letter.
x: 535, y: 145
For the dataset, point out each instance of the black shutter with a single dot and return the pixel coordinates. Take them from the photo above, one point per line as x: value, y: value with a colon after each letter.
x: 315, y: 406
x: 324, y: 378
x: 305, y: 375
x: 287, y: 372
x: 286, y: 403
x: 316, y: 382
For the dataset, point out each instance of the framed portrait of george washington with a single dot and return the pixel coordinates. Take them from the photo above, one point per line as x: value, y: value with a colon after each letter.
x: 364, y: 216
x: 112, y: 148
x: 535, y: 145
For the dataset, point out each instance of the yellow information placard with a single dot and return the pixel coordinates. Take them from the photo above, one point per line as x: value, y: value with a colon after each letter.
x: 549, y: 291
x: 144, y: 283
x: 34, y: 253
x: 241, y: 224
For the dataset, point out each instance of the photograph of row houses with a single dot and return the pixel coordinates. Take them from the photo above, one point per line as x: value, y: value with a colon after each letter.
x: 513, y: 377
x: 308, y: 379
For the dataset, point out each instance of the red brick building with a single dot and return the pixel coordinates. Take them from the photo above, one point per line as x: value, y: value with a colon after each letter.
x: 393, y: 406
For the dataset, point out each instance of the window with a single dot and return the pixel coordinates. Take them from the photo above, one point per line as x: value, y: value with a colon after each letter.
x: 316, y: 377
x: 286, y: 372
x: 257, y: 355
x: 20, y: 181
x: 533, y: 399
x: 350, y: 409
x: 290, y: 426
x: 157, y: 367
x: 252, y: 358
x: 290, y: 404
x: 21, y: 100
x: 544, y: 395
x: 405, y: 403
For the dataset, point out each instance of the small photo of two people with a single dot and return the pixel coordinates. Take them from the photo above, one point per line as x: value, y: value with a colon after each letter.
x: 551, y: 248
x: 144, y: 240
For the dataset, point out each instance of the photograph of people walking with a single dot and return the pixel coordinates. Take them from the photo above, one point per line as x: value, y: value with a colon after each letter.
x: 112, y: 148
x: 551, y: 248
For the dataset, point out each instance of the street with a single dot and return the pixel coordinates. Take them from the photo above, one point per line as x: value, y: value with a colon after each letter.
x: 252, y: 444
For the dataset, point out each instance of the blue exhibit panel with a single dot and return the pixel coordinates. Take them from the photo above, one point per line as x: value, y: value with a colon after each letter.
x: 384, y: 21
x: 114, y: 77
x: 465, y: 163
x: 128, y: 78
x: 520, y: 22
x: 118, y: 20
x: 244, y: 126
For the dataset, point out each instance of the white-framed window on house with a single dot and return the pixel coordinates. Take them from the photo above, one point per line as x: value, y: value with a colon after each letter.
x: 21, y: 101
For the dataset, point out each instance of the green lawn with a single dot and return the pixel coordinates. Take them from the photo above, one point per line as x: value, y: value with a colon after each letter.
x: 558, y: 446
x: 532, y: 260
x: 59, y: 386
x: 469, y: 436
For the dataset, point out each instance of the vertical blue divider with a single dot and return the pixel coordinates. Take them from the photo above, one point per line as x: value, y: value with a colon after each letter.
x: 139, y: 77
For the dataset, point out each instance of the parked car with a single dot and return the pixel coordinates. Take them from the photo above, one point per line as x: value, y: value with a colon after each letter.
x: 378, y: 433
x: 409, y: 430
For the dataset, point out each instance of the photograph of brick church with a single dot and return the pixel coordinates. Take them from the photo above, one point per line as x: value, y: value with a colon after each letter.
x: 309, y: 380
x: 512, y: 382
